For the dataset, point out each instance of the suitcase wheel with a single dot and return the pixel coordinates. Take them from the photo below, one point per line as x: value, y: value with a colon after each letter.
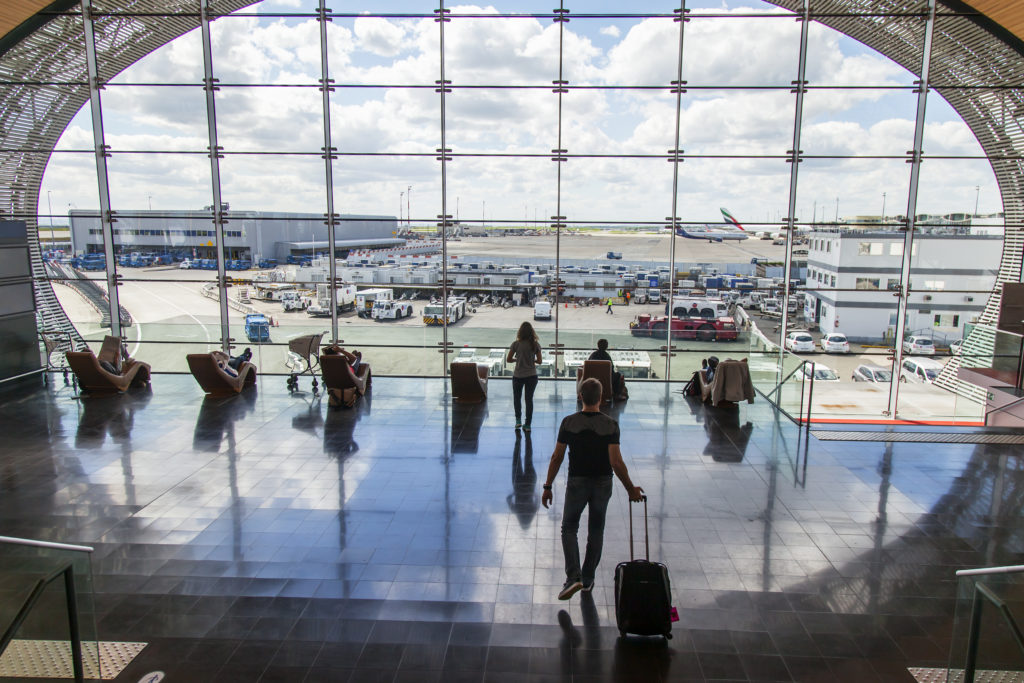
x: 668, y: 636
x: 622, y: 634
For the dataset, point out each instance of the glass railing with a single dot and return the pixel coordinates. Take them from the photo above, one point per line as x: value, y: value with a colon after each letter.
x: 987, y: 642
x: 47, y: 613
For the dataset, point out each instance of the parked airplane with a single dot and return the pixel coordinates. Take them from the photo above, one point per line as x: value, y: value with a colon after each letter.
x: 732, y: 230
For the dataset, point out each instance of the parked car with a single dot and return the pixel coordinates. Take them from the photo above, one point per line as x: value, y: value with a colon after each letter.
x: 954, y: 348
x: 822, y: 373
x: 920, y: 370
x: 799, y: 341
x: 186, y: 264
x: 835, y: 342
x: 871, y: 373
x: 919, y: 345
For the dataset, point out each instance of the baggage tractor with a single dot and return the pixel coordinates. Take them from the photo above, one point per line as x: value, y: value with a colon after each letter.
x: 643, y: 596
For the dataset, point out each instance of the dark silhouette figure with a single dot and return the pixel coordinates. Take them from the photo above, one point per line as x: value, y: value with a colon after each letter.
x: 523, y: 499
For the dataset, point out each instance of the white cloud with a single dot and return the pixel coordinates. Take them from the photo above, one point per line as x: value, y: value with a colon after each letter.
x: 520, y: 51
x: 380, y: 36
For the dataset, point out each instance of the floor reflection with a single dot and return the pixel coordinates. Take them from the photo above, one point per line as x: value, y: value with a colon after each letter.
x: 113, y: 415
x: 466, y: 421
x: 217, y: 417
x: 727, y: 439
x: 524, y: 499
x: 276, y: 539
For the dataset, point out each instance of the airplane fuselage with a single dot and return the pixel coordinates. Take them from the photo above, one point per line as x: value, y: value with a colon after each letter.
x: 711, y: 234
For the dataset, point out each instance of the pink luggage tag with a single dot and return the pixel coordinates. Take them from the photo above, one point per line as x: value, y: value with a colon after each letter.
x: 674, y: 615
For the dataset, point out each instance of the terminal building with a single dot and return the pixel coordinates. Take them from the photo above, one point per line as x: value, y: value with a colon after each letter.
x: 248, y: 235
x: 852, y: 275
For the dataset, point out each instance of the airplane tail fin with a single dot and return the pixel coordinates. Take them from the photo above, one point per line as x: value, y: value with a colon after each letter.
x: 730, y: 220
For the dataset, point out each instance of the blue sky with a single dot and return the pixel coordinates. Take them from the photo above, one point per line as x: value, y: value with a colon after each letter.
x: 277, y: 123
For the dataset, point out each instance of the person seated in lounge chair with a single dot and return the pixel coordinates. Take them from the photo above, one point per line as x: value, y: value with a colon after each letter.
x: 618, y: 379
x: 354, y: 358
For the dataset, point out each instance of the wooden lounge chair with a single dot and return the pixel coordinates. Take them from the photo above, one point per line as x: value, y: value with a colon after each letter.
x: 93, y: 378
x: 600, y: 370
x: 212, y: 377
x: 730, y: 384
x: 343, y: 385
x: 110, y: 351
x: 469, y: 382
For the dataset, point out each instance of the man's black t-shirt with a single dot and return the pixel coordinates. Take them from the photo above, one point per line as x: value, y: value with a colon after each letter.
x: 598, y: 354
x: 588, y: 436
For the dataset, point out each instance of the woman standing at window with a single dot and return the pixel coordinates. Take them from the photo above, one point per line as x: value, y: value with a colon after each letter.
x: 525, y: 352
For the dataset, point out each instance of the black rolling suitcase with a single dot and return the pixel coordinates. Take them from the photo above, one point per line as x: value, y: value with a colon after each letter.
x: 643, y: 596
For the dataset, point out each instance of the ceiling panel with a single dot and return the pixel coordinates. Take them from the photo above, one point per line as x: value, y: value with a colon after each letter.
x: 13, y: 12
x: 1008, y: 13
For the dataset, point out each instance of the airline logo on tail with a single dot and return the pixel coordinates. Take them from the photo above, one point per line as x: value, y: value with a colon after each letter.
x: 729, y: 219
x: 732, y: 230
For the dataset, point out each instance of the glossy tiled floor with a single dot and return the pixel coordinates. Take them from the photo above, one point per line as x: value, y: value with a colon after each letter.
x: 268, y: 538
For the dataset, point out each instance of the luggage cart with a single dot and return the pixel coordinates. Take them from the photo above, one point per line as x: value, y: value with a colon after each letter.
x: 303, y: 358
x: 56, y: 342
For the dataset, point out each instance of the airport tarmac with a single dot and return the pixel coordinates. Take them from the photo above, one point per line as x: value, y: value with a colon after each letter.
x: 172, y: 318
x: 634, y: 246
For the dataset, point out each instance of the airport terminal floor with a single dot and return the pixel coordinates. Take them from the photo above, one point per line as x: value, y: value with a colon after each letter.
x: 269, y: 537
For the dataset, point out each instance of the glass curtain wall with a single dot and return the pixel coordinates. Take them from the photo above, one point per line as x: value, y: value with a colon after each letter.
x: 417, y: 183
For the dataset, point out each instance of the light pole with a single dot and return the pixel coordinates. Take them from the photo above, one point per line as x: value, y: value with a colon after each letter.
x: 408, y: 211
x: 150, y: 202
x: 977, y: 194
x: 883, y: 207
x: 401, y: 196
x: 49, y: 204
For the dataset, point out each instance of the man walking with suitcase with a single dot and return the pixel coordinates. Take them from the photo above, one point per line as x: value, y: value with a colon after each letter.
x: 593, y: 442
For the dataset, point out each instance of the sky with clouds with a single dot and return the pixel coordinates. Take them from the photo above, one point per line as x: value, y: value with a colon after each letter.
x: 387, y: 130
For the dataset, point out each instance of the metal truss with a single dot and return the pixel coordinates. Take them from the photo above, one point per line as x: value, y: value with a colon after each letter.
x: 47, y: 84
x: 981, y: 77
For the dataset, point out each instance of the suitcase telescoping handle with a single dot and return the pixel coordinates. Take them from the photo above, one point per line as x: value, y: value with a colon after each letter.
x: 647, y: 541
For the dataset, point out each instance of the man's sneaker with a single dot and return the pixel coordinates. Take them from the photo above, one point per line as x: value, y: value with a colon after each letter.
x: 587, y: 587
x: 519, y: 425
x: 526, y: 427
x: 569, y: 589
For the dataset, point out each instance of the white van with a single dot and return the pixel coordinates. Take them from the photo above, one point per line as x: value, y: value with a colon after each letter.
x: 542, y: 310
x: 920, y: 370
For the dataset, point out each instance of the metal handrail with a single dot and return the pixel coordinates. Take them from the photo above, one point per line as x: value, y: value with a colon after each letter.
x: 974, y: 635
x: 1002, y: 408
x: 67, y: 571
x: 786, y: 379
x: 985, y: 571
x: 52, y: 545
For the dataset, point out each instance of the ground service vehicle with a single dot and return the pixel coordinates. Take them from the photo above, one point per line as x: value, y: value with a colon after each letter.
x: 438, y: 314
x: 291, y: 301
x: 344, y: 297
x: 698, y: 307
x: 871, y: 373
x: 257, y: 328
x: 366, y: 298
x: 390, y: 310
x: 542, y: 310
x: 701, y: 329
x: 920, y: 370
